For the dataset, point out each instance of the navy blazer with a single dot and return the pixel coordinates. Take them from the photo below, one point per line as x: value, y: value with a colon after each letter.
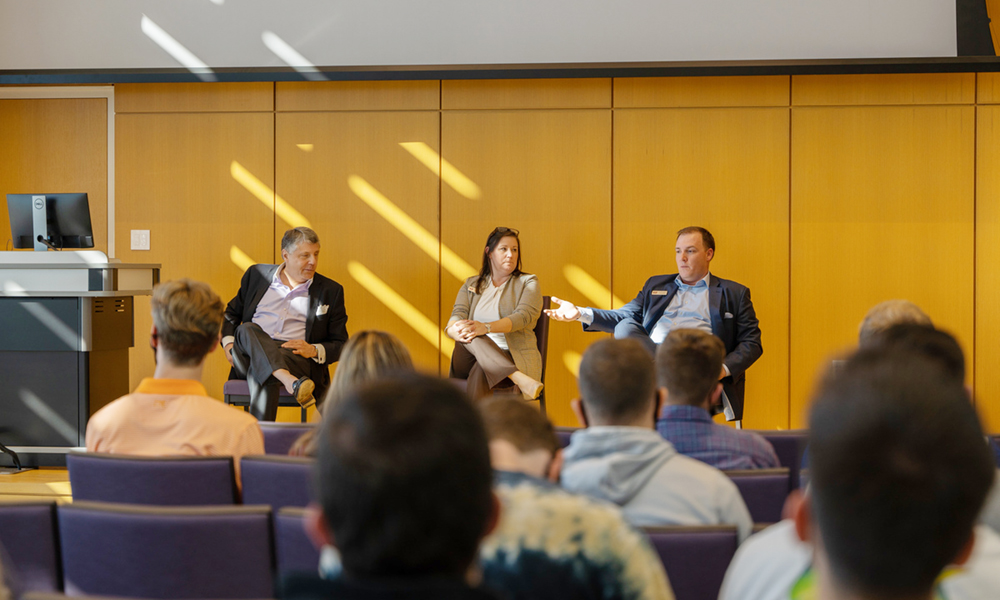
x: 328, y: 328
x: 733, y: 321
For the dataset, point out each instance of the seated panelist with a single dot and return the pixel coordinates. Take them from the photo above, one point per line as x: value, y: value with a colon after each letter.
x: 493, y: 322
x: 285, y: 326
x: 692, y: 298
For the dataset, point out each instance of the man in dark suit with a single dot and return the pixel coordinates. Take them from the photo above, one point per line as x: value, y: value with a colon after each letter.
x: 691, y: 298
x: 285, y: 326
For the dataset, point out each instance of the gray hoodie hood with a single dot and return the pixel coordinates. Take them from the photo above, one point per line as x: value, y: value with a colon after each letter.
x: 613, y: 463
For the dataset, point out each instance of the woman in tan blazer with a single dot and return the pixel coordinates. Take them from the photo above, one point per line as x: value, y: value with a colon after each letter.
x: 494, y: 319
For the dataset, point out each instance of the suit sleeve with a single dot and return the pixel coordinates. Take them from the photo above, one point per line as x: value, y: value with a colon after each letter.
x: 336, y: 328
x: 748, y: 346
x: 233, y: 316
x: 529, y: 305
x: 607, y: 320
x: 460, y: 311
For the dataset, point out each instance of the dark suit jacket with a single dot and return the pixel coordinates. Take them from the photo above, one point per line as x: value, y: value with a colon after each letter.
x: 328, y: 328
x: 733, y: 321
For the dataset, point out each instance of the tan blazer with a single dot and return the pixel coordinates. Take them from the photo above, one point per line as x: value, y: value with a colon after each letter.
x: 521, y: 302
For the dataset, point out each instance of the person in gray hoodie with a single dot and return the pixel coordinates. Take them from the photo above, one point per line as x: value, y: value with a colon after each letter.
x: 621, y: 458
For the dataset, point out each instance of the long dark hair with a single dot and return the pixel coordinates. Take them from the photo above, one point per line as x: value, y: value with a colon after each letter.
x: 496, y: 235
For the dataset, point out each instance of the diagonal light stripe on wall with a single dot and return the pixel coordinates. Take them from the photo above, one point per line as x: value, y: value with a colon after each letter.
x: 176, y: 50
x: 448, y: 173
x: 266, y: 195
x: 396, y: 217
x: 591, y: 288
x: 403, y: 309
x: 240, y: 258
x: 572, y: 362
x: 291, y: 56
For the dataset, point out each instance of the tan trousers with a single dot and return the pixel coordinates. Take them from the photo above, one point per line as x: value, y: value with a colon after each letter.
x: 483, y: 364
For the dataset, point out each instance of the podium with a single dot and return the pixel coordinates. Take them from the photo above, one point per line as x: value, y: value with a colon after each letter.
x: 66, y: 324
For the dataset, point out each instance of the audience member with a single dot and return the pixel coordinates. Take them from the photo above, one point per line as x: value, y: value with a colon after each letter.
x: 886, y: 314
x: 899, y: 475
x: 403, y: 483
x: 620, y: 457
x: 171, y: 413
x: 550, y: 543
x: 687, y: 371
x: 366, y: 357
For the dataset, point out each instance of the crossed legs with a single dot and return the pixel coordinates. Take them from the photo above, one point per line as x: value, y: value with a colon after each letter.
x: 266, y: 366
x: 485, y: 365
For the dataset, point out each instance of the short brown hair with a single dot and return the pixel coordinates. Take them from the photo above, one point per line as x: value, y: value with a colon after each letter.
x: 294, y: 237
x: 522, y: 425
x: 688, y: 363
x: 617, y: 383
x: 706, y: 237
x: 187, y: 315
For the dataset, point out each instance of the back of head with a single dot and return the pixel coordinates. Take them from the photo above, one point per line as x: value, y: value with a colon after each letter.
x: 899, y: 472
x: 616, y: 381
x: 403, y: 477
x: 366, y: 357
x: 520, y: 424
x: 688, y: 363
x: 187, y: 315
x: 886, y: 314
x: 923, y: 339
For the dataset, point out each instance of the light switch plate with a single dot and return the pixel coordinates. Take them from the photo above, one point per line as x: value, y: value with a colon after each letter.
x: 140, y: 239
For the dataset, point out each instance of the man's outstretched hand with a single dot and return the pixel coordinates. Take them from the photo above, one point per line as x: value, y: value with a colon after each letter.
x: 567, y: 311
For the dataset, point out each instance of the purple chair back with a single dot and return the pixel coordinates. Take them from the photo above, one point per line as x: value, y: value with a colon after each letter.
x: 277, y: 481
x: 167, y: 552
x: 279, y: 437
x: 763, y: 490
x: 564, y: 434
x: 695, y: 558
x: 789, y: 446
x: 161, y: 481
x: 28, y: 534
x: 295, y: 550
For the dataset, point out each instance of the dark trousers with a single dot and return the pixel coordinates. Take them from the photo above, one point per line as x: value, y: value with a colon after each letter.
x: 256, y: 356
x: 482, y: 363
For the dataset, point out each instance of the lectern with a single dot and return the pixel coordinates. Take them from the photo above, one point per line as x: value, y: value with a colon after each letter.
x: 66, y: 324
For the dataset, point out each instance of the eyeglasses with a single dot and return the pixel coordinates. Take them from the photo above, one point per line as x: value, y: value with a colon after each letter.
x: 504, y: 231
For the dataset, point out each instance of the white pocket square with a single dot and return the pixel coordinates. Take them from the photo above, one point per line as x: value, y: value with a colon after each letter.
x: 322, y: 309
x: 727, y: 316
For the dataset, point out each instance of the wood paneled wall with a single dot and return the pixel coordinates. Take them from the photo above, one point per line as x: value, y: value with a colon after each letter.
x: 826, y: 195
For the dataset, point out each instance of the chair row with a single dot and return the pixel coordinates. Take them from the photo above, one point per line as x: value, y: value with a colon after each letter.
x: 93, y: 548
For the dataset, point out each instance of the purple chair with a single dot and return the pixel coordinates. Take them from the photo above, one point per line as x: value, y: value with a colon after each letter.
x: 564, y: 434
x: 295, y: 550
x: 277, y: 481
x: 763, y: 490
x: 695, y: 558
x: 237, y: 393
x: 162, y: 481
x: 167, y: 552
x: 279, y: 437
x: 28, y: 534
x: 789, y: 446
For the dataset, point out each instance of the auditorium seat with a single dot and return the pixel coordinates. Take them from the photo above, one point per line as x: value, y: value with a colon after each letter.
x: 695, y: 558
x: 279, y: 437
x: 164, y: 481
x: 564, y: 434
x: 28, y: 535
x: 237, y: 393
x: 277, y: 481
x: 166, y: 552
x: 789, y: 445
x: 295, y: 550
x: 763, y: 490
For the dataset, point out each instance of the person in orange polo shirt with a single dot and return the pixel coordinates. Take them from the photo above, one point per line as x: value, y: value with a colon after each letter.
x: 171, y: 413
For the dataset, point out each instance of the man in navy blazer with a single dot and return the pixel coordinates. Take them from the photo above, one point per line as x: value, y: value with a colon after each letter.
x: 691, y: 298
x: 285, y: 326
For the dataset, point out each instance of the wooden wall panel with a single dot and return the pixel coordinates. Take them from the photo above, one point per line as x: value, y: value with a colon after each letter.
x: 701, y: 92
x: 294, y: 96
x: 988, y: 88
x: 913, y: 88
x: 882, y: 207
x: 194, y: 97
x: 500, y: 94
x: 174, y: 177
x: 363, y: 193
x: 987, y: 352
x: 725, y: 170
x: 547, y: 174
x: 53, y: 146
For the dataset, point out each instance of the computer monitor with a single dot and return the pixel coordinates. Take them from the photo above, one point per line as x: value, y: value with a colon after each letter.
x: 43, y: 221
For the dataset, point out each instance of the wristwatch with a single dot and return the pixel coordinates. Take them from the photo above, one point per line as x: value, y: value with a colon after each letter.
x: 488, y: 328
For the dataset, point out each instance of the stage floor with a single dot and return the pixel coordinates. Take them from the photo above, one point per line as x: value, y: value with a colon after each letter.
x: 45, y: 483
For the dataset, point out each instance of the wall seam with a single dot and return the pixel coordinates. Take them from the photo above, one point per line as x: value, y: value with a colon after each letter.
x: 788, y: 346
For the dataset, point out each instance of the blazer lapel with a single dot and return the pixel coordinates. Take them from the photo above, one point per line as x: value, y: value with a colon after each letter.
x: 267, y: 275
x: 659, y: 303
x: 715, y: 304
x: 314, y: 304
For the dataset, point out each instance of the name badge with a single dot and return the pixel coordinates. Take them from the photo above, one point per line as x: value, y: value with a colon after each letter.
x: 659, y: 292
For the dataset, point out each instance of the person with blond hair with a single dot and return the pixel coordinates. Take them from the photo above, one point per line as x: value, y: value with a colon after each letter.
x: 884, y: 315
x: 171, y: 412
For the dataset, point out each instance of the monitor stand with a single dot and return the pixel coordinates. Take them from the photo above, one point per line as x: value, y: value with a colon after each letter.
x: 39, y: 223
